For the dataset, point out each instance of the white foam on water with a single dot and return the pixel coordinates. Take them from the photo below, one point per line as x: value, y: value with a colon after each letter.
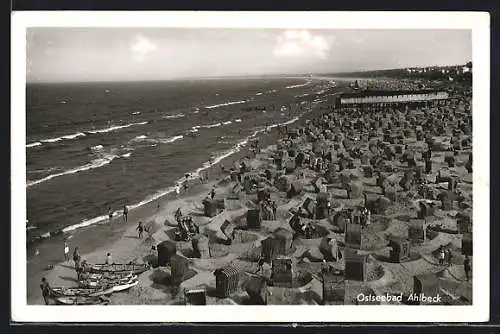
x: 126, y: 155
x: 140, y: 137
x: 85, y: 223
x: 72, y: 136
x: 237, y: 120
x: 136, y: 113
x: 173, y: 116
x: 97, y: 148
x: 96, y: 163
x: 211, y: 125
x: 260, y: 93
x: 170, y: 140
x: 104, y: 219
x: 225, y: 104
x: 116, y: 127
x: 227, y: 122
x: 297, y: 86
x: 35, y: 144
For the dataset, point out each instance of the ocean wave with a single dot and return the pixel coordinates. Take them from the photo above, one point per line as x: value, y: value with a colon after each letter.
x: 56, y: 139
x: 173, y: 116
x: 97, y: 148
x: 116, y: 127
x: 297, y: 86
x: 34, y: 144
x: 155, y: 196
x: 302, y: 95
x: 82, y: 134
x: 155, y: 141
x: 215, y: 125
x: 225, y: 104
x: 126, y: 155
x: 259, y: 93
x: 209, y: 126
x: 136, y: 113
x: 96, y: 163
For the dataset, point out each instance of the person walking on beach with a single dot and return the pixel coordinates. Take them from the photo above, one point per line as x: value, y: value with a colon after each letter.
x: 76, y: 256
x: 441, y: 256
x: 125, y: 213
x: 260, y: 263
x: 467, y: 267
x: 177, y: 189
x: 275, y: 208
x: 212, y: 193
x: 46, y: 290
x: 140, y: 229
x: 66, y: 251
x: 110, y: 214
x: 109, y: 259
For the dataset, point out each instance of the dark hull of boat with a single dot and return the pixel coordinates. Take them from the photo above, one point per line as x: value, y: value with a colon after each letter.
x: 119, y: 268
x: 81, y: 300
x: 80, y: 292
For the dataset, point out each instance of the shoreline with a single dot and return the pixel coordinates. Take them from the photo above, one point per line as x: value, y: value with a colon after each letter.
x: 159, y: 194
x: 119, y: 235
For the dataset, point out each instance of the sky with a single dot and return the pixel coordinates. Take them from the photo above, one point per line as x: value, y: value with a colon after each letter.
x: 132, y: 54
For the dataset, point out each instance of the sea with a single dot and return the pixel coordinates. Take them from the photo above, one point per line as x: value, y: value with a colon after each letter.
x: 94, y: 146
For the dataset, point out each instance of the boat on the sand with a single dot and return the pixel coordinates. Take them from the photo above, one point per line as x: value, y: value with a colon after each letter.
x: 109, y: 275
x: 115, y: 285
x: 117, y: 268
x: 80, y: 292
x: 81, y: 300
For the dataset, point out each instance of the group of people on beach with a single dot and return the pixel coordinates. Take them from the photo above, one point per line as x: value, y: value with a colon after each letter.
x: 111, y: 213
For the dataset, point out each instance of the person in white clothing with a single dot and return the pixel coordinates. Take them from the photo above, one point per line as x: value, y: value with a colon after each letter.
x: 66, y: 251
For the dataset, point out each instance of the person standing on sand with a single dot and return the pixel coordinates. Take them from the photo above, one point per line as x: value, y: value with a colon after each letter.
x: 212, y: 193
x: 66, y: 251
x: 46, y: 290
x: 125, y: 213
x: 177, y: 189
x: 140, y: 229
x: 260, y: 263
x: 109, y: 259
x: 110, y: 214
x: 274, y: 208
x: 467, y: 267
x: 76, y: 256
x: 441, y: 256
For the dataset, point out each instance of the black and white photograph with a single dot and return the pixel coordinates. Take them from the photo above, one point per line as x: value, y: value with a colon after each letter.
x: 250, y: 161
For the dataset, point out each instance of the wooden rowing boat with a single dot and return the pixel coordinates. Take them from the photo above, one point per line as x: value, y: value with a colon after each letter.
x: 80, y: 292
x: 114, y: 285
x: 81, y: 300
x: 119, y: 268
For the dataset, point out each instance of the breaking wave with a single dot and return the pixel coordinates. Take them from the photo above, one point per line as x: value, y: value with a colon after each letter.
x: 96, y: 163
x: 297, y: 86
x: 82, y: 134
x: 144, y: 138
x: 225, y: 104
x: 173, y: 116
x: 236, y: 148
x: 116, y: 127
x: 34, y: 144
x: 72, y: 136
